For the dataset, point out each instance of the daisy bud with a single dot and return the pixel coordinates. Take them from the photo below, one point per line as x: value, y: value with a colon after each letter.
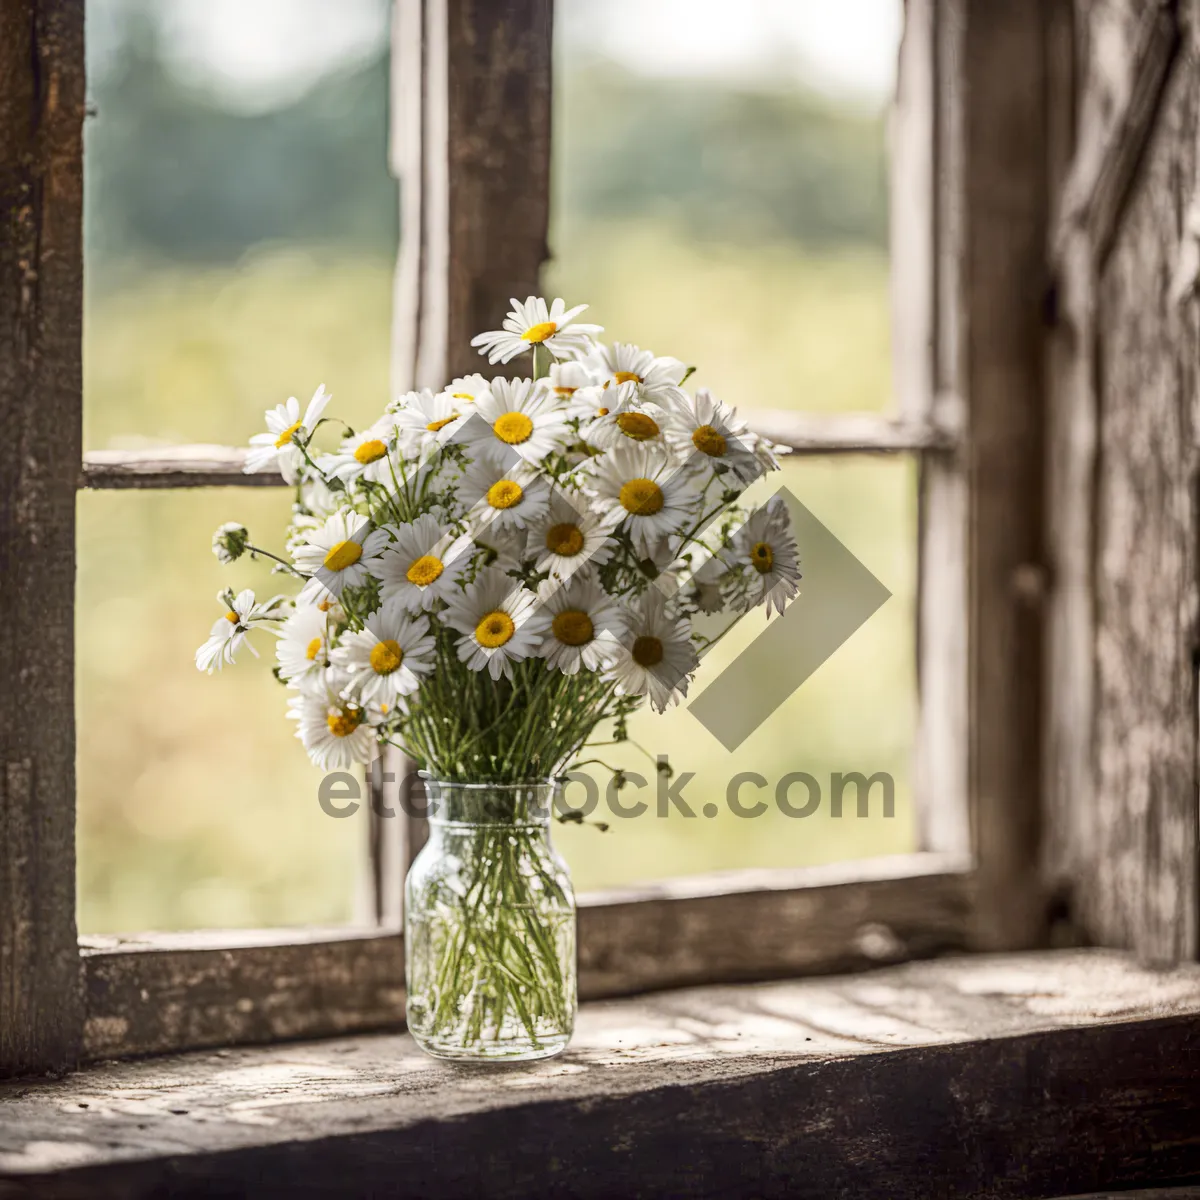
x: 229, y: 542
x: 707, y: 596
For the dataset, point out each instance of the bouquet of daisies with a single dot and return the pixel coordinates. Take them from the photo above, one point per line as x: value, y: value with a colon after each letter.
x: 492, y: 570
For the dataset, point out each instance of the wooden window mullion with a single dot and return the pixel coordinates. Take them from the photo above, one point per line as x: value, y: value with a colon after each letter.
x: 475, y: 179
x: 41, y: 303
x: 996, y: 163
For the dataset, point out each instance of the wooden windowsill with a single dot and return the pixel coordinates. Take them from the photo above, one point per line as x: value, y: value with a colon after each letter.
x: 1008, y: 1075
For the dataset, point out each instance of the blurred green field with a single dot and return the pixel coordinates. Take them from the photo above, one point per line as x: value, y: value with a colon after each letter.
x: 196, y: 805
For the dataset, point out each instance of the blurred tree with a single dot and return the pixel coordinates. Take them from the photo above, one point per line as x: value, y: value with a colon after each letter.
x: 731, y: 165
x: 171, y: 173
x: 174, y: 174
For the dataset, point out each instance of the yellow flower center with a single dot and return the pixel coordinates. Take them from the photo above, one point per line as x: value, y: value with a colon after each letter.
x: 424, y: 570
x: 637, y: 426
x: 314, y: 648
x: 602, y: 412
x: 504, y: 493
x: 647, y: 651
x: 386, y: 656
x: 540, y: 332
x: 762, y: 557
x: 286, y: 436
x: 371, y: 451
x: 495, y: 629
x: 573, y: 627
x: 627, y: 377
x: 642, y: 497
x: 460, y: 396
x: 708, y: 441
x: 343, y: 724
x: 232, y: 617
x: 564, y: 540
x: 434, y: 426
x: 343, y: 555
x: 513, y: 428
x: 564, y: 391
x: 325, y: 605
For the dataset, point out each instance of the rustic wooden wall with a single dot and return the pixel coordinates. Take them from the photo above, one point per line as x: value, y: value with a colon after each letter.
x: 1121, y: 779
x: 1145, y: 567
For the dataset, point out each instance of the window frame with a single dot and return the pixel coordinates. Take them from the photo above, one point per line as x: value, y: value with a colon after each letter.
x: 471, y: 94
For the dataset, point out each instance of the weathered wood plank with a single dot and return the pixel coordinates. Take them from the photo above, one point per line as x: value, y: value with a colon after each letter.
x: 1166, y: 1193
x: 927, y: 206
x: 41, y: 300
x: 172, y: 467
x: 1000, y: 289
x: 969, y: 1077
x: 484, y: 161
x: 1141, y: 889
x: 742, y: 925
x: 186, y: 991
x: 1128, y: 51
x: 222, y: 466
x: 162, y: 992
x: 849, y: 433
x: 1125, y: 50
x: 1070, y: 489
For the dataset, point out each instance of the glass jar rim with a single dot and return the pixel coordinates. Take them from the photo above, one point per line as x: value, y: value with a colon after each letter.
x: 512, y: 805
x: 428, y: 777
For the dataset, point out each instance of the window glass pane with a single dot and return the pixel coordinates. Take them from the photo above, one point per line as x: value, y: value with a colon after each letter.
x: 855, y: 714
x: 721, y: 191
x: 240, y: 221
x: 720, y: 194
x: 240, y: 237
x: 197, y: 806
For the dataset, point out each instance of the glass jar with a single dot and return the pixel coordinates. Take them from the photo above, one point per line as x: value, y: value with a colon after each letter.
x: 490, y: 926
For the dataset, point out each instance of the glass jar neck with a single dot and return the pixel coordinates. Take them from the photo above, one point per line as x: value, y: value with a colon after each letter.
x: 528, y: 805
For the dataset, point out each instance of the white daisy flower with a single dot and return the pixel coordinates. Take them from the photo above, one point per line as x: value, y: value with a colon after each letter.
x: 765, y: 545
x: 569, y: 538
x: 657, y: 379
x: 622, y: 420
x: 303, y: 646
x: 277, y: 447
x: 500, y: 497
x: 363, y: 455
x: 521, y: 415
x: 656, y: 657
x: 386, y: 660
x: 710, y: 437
x: 766, y: 451
x: 421, y: 566
x: 650, y: 496
x: 501, y: 623
x: 333, y: 554
x: 426, y: 421
x: 335, y: 732
x: 572, y: 378
x: 229, y: 631
x: 586, y: 626
x: 466, y: 388
x: 533, y: 324
x: 229, y: 542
